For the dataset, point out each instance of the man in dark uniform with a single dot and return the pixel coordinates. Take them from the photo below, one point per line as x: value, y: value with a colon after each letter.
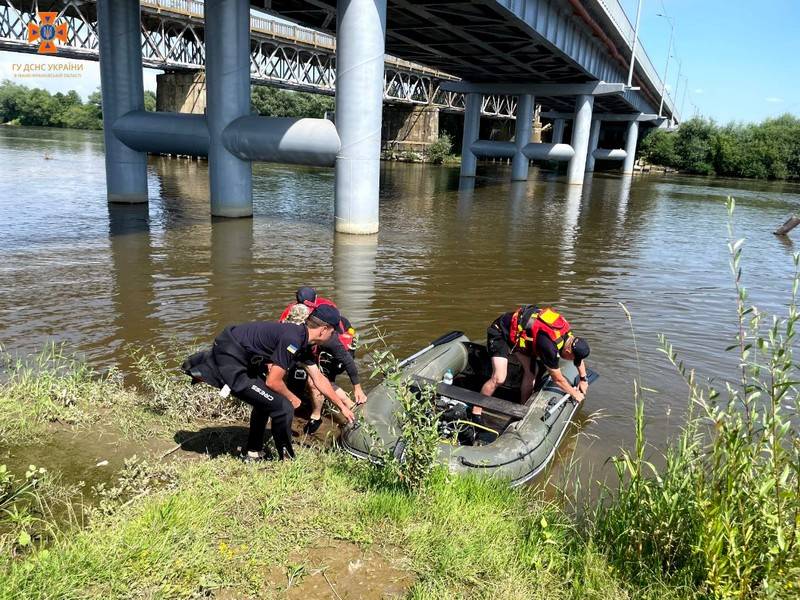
x: 240, y: 356
x: 536, y: 336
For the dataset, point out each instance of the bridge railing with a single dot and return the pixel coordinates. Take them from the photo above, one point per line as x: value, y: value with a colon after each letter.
x: 616, y: 13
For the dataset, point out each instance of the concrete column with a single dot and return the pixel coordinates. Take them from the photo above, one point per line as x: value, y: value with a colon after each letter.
x: 522, y: 137
x: 594, y: 138
x: 119, y: 30
x: 580, y: 139
x: 227, y: 24
x: 558, y: 131
x: 411, y: 128
x: 360, y: 38
x: 472, y: 127
x: 630, y: 147
x: 181, y: 92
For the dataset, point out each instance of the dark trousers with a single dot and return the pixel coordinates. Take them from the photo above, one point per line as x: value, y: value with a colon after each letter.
x: 233, y: 364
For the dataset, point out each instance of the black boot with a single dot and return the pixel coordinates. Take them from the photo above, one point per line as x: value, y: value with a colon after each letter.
x: 312, y: 426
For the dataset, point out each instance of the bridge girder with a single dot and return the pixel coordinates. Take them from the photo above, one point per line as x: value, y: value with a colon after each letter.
x: 281, y: 55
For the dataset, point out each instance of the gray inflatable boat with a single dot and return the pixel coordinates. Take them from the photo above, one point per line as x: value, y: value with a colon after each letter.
x: 520, y: 438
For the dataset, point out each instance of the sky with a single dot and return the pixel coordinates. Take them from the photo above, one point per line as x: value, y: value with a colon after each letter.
x: 740, y: 57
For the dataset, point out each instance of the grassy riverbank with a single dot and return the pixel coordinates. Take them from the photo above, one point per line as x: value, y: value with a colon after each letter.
x: 720, y: 519
x: 241, y: 531
x: 179, y: 526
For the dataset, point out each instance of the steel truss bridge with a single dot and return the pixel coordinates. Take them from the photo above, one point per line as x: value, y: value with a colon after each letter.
x: 281, y: 54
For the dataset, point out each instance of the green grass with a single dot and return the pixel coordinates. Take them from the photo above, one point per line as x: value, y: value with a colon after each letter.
x: 51, y: 387
x: 54, y: 388
x: 225, y: 525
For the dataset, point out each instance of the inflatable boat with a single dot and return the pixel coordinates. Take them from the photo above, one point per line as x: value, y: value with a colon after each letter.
x: 519, y: 438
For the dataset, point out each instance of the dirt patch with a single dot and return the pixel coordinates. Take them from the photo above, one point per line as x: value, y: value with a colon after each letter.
x: 341, y: 571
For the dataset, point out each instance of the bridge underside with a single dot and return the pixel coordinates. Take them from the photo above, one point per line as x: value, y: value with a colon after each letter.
x: 476, y: 41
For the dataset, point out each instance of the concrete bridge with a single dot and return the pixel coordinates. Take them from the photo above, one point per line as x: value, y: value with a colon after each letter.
x: 568, y: 56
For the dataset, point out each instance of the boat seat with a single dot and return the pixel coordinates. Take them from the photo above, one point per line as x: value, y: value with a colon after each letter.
x: 490, y: 403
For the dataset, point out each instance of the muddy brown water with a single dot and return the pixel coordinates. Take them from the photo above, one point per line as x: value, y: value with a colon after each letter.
x: 451, y: 254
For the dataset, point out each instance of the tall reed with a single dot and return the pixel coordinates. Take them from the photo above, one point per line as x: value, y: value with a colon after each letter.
x: 721, y: 516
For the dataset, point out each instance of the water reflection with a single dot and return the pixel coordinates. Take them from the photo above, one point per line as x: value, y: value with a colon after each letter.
x: 517, y: 197
x: 132, y: 275
x: 569, y: 229
x: 466, y: 192
x: 232, y: 289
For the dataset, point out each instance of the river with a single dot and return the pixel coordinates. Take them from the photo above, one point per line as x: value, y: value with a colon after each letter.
x: 448, y: 256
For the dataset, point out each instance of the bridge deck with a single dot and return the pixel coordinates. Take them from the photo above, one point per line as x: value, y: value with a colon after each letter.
x: 504, y: 41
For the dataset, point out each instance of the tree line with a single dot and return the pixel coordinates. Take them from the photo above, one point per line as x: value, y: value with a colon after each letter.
x: 766, y: 150
x: 21, y: 105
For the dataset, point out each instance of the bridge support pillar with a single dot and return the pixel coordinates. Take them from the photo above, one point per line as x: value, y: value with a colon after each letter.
x: 409, y: 128
x: 580, y: 139
x: 594, y: 139
x: 472, y: 126
x: 522, y: 137
x: 558, y: 131
x: 123, y: 91
x: 227, y: 24
x: 181, y: 92
x: 630, y: 147
x: 360, y: 40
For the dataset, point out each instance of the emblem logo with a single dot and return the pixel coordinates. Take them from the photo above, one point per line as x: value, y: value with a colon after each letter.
x: 47, y: 32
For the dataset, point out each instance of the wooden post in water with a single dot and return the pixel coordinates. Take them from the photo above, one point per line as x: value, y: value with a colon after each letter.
x: 790, y: 224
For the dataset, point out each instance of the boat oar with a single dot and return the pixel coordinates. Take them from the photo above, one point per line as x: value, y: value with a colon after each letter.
x: 447, y: 337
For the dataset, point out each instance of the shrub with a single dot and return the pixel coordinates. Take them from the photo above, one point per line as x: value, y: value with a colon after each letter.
x: 440, y: 150
x: 413, y: 459
x: 167, y: 391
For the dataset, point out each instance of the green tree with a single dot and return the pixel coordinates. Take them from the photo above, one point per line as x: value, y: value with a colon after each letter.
x: 39, y: 108
x: 150, y: 100
x: 694, y: 145
x: 84, y: 116
x: 272, y: 102
x: 658, y: 147
x: 11, y: 100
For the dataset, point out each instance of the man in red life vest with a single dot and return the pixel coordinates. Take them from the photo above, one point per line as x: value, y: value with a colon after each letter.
x: 304, y: 295
x: 340, y: 350
x: 535, y: 335
x: 332, y: 358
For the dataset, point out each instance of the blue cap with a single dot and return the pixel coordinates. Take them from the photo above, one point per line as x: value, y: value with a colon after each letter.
x: 306, y: 295
x: 328, y: 314
x: 580, y: 349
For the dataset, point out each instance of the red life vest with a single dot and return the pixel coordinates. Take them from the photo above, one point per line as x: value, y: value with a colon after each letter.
x: 312, y: 305
x: 544, y: 320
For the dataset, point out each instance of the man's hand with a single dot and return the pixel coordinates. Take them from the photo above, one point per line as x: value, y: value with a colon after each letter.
x: 583, y: 386
x: 578, y: 395
x: 347, y: 414
x: 359, y: 394
x: 294, y: 400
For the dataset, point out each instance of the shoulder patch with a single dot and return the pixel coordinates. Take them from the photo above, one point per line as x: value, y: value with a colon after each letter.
x: 291, y: 348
